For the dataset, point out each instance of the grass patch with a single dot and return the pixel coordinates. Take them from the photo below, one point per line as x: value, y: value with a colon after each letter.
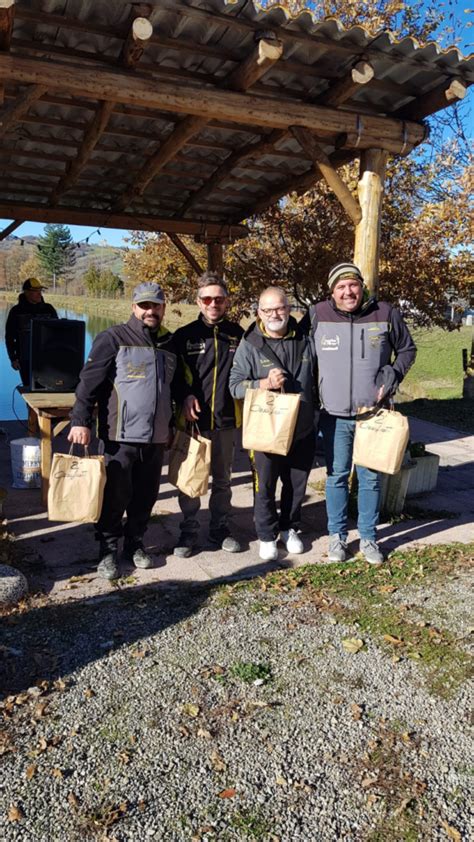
x: 249, y: 672
x: 437, y: 371
x: 456, y: 412
x: 361, y: 595
x: 251, y: 824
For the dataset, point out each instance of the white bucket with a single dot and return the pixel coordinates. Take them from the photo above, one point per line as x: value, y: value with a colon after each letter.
x: 26, y: 463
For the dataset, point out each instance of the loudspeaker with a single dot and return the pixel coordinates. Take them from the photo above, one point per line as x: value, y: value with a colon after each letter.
x: 56, y: 354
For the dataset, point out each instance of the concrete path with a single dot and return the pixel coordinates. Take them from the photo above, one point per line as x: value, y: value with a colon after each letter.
x: 56, y: 554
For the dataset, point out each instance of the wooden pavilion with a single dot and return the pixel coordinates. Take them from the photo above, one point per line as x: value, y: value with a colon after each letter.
x: 189, y: 116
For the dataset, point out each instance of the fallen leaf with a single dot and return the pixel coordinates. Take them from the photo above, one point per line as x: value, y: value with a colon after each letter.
x: 57, y: 773
x: 386, y: 588
x: 59, y: 684
x: 141, y: 805
x: 371, y: 800
x: 30, y: 771
x: 451, y: 831
x: 191, y: 709
x: 40, y: 710
x: 42, y: 744
x: 356, y: 711
x: 368, y: 782
x: 281, y: 781
x: 217, y: 762
x: 89, y: 693
x: 227, y: 793
x: 73, y: 801
x: 15, y: 813
x: 395, y: 641
x: 140, y: 653
x: 124, y: 757
x: 352, y: 644
x: 204, y: 733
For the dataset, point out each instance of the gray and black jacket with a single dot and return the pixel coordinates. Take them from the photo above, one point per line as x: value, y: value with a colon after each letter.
x: 131, y: 374
x: 295, y: 355
x: 359, y: 352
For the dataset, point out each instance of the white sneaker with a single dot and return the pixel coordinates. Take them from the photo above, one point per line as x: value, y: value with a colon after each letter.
x: 292, y: 541
x: 268, y: 550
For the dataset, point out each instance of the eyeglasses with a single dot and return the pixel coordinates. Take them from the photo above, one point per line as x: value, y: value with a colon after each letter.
x: 267, y: 311
x: 208, y: 299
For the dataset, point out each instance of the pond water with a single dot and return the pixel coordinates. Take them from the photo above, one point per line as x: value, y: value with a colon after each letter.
x: 11, y: 403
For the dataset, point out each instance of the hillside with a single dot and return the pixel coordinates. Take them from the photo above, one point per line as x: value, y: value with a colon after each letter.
x: 16, y: 251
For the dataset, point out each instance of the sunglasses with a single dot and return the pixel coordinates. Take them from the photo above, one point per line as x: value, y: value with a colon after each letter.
x: 208, y: 299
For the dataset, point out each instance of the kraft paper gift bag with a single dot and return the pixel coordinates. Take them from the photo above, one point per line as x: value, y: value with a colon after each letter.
x: 269, y: 420
x: 190, y: 463
x: 380, y: 440
x: 76, y: 487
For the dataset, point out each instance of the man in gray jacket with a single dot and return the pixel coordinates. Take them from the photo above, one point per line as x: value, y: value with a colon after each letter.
x: 364, y: 349
x: 275, y: 352
x: 130, y: 375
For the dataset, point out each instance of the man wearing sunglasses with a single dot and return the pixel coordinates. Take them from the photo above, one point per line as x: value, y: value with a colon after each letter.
x: 276, y: 353
x: 206, y: 347
x: 130, y: 375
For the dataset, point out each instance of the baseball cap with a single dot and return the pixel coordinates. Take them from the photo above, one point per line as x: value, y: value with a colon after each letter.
x: 33, y: 284
x: 148, y: 291
x: 343, y: 271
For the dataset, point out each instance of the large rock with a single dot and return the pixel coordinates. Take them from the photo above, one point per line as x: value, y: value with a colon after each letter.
x: 13, y: 585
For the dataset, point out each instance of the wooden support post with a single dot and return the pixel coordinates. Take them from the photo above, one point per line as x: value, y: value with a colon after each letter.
x: 367, y: 234
x: 215, y: 258
x: 177, y: 241
x: 322, y: 162
x: 7, y: 9
x: 20, y: 106
x: 10, y: 228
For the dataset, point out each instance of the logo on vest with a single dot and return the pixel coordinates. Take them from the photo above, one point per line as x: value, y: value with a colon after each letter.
x: 329, y: 343
x: 198, y: 347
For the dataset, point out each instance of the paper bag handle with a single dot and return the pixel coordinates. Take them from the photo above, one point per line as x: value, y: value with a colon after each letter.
x: 86, y: 450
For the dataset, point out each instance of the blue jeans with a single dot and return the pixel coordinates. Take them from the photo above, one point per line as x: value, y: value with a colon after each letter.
x: 338, y: 440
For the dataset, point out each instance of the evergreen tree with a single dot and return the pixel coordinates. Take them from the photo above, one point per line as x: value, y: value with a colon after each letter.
x: 56, y: 252
x: 102, y: 283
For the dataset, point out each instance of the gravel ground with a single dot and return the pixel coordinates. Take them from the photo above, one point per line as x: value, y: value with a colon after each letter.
x: 148, y: 725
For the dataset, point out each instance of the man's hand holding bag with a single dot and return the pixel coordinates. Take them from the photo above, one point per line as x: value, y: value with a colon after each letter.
x: 380, y: 440
x: 269, y: 420
x: 190, y: 463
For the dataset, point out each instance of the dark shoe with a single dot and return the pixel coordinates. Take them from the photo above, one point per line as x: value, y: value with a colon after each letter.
x: 225, y: 542
x: 371, y: 551
x: 108, y: 566
x: 135, y: 554
x: 185, y: 546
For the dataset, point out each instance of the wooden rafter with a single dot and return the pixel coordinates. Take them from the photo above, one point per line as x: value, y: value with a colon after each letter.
x: 446, y: 94
x: 256, y: 65
x: 10, y: 228
x: 105, y: 219
x: 323, y: 164
x: 178, y: 243
x: 261, y: 147
x: 361, y: 74
x: 15, y: 111
x: 7, y: 11
x: 136, y: 42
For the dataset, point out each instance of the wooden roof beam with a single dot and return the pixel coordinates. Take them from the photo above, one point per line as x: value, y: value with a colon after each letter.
x: 345, y: 88
x: 446, y: 94
x: 14, y: 112
x: 266, y: 53
x: 7, y: 12
x: 136, y: 42
x: 323, y: 164
x: 10, y: 228
x: 105, y: 219
x: 118, y: 86
x: 178, y: 243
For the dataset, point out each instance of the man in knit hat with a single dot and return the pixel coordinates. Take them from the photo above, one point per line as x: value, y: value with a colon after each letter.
x: 364, y: 350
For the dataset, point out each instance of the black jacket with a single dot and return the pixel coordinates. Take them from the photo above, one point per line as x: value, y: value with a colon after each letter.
x: 131, y: 374
x: 18, y: 325
x: 207, y: 352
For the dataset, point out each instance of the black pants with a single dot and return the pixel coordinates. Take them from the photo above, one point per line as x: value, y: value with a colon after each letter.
x: 133, y: 480
x: 293, y: 470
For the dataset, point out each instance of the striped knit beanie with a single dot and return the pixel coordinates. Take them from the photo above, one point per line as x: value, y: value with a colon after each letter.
x: 343, y: 271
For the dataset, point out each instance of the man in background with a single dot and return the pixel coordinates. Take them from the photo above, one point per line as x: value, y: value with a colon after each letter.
x: 31, y: 305
x: 206, y: 348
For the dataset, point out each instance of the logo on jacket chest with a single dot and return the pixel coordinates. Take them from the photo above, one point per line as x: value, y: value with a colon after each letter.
x: 196, y: 347
x: 330, y: 343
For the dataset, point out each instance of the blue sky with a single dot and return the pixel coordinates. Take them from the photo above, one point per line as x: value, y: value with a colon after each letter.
x: 462, y: 21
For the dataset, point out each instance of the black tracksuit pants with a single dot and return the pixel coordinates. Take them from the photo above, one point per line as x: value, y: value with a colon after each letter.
x: 133, y: 481
x: 293, y: 470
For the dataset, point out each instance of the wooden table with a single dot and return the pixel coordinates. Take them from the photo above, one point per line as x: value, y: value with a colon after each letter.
x: 50, y: 411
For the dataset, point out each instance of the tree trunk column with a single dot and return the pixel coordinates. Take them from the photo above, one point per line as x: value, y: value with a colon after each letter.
x: 367, y: 234
x: 215, y: 258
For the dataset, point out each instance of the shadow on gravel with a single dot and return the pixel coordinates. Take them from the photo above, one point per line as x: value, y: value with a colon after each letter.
x: 52, y: 641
